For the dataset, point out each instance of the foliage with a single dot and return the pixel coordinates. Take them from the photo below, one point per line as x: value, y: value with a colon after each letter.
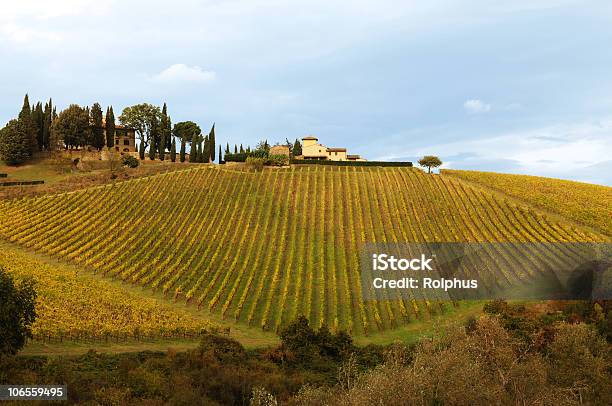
x: 350, y: 163
x: 582, y: 202
x: 14, y: 143
x: 430, y: 161
x: 185, y: 130
x: 110, y: 127
x: 278, y: 260
x: 297, y: 148
x: 144, y: 118
x: 255, y: 163
x: 72, y: 127
x: 79, y: 307
x: 97, y: 140
x: 17, y: 313
x: 130, y: 161
x: 277, y: 160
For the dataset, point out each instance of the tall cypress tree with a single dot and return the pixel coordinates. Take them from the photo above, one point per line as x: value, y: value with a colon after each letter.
x: 297, y: 148
x: 27, y: 126
x: 141, y: 150
x: 98, y: 130
x: 110, y: 127
x: 39, y: 119
x: 241, y: 149
x: 220, y: 156
x: 227, y: 150
x: 211, y: 143
x: 235, y: 149
x: 46, y: 125
x: 182, y: 154
x: 193, y: 150
x: 164, y: 134
x: 206, y: 150
x: 173, y: 150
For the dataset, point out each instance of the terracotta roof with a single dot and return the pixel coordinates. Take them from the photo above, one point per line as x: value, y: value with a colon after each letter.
x: 310, y: 137
x: 336, y: 149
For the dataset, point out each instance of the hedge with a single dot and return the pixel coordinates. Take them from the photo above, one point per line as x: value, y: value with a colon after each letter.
x: 242, y: 156
x: 22, y: 182
x: 348, y: 163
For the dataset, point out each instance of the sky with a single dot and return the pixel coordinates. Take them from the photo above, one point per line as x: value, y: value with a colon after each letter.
x: 522, y: 86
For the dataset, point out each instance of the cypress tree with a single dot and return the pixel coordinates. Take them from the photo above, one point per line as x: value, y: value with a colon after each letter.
x: 27, y: 126
x: 182, y: 154
x: 98, y: 130
x: 46, y: 125
x: 193, y: 151
x: 110, y: 129
x: 173, y: 150
x: 220, y: 156
x: 206, y: 150
x: 211, y: 143
x: 141, y: 150
x: 39, y: 119
x: 297, y: 148
x: 241, y: 149
x: 164, y: 135
x: 235, y: 149
x: 227, y: 150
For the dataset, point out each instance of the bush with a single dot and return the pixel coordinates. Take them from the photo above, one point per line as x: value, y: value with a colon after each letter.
x: 130, y: 161
x: 349, y: 163
x: 255, y: 163
x: 277, y: 160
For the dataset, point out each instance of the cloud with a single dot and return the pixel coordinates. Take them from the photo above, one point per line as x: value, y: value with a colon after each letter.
x: 182, y: 73
x: 475, y: 106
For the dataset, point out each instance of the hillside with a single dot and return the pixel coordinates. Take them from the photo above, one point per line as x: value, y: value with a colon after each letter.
x: 582, y: 202
x: 261, y: 248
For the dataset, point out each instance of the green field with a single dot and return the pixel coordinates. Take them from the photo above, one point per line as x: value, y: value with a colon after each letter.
x: 582, y: 202
x: 260, y: 248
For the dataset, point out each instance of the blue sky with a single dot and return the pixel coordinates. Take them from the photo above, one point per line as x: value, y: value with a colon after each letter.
x: 513, y: 86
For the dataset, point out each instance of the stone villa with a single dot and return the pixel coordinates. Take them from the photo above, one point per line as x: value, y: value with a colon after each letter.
x: 311, y: 149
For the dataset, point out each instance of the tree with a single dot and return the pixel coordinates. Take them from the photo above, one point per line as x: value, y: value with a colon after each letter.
x: 182, y: 154
x: 205, y: 150
x: 185, y: 131
x: 38, y: 118
x: 164, y: 133
x: 72, y: 127
x: 241, y: 149
x: 297, y: 148
x: 430, y: 161
x: 98, y: 140
x: 110, y: 127
x: 25, y: 119
x: 220, y: 156
x: 173, y: 150
x: 14, y: 143
x: 17, y: 313
x: 193, y: 150
x: 211, y: 143
x: 144, y: 118
x: 235, y: 149
x: 48, y: 118
x: 141, y: 150
x: 227, y: 149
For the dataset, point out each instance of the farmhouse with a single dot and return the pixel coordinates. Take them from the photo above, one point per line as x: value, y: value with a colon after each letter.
x: 125, y: 138
x: 311, y: 149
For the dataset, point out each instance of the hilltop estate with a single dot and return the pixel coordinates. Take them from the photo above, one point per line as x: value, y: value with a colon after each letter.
x: 311, y: 149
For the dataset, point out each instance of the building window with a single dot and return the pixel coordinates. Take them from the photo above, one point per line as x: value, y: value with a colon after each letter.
x: 116, y: 148
x: 116, y: 140
x: 126, y: 142
x: 335, y: 153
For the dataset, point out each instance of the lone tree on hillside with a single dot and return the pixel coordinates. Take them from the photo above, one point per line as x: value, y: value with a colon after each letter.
x: 430, y: 161
x: 17, y: 313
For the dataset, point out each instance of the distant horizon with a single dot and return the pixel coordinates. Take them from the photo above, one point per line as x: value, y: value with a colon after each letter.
x: 509, y: 87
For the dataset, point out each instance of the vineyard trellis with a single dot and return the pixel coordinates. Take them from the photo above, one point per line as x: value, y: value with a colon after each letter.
x: 264, y: 247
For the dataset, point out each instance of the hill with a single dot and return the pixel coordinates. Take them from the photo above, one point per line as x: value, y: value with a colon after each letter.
x: 582, y: 202
x: 261, y: 248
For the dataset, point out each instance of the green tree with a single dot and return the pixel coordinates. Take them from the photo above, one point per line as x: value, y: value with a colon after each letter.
x: 241, y: 149
x: 98, y: 140
x: 173, y: 150
x: 72, y: 127
x: 17, y: 313
x: 182, y: 154
x: 28, y: 125
x: 430, y: 161
x: 220, y: 156
x: 141, y: 150
x: 144, y: 118
x: 205, y: 150
x: 297, y: 148
x: 211, y: 142
x: 38, y: 117
x: 235, y: 149
x: 164, y: 133
x: 110, y: 127
x: 193, y: 150
x: 48, y: 117
x: 14, y: 143
x: 227, y: 148
x: 185, y: 130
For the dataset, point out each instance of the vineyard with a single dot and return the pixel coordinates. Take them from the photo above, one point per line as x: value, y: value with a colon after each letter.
x: 80, y: 307
x: 583, y: 202
x: 261, y: 248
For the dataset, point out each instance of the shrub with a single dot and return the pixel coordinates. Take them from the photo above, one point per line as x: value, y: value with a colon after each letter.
x: 349, y: 163
x: 255, y: 163
x: 130, y: 161
x: 277, y: 160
